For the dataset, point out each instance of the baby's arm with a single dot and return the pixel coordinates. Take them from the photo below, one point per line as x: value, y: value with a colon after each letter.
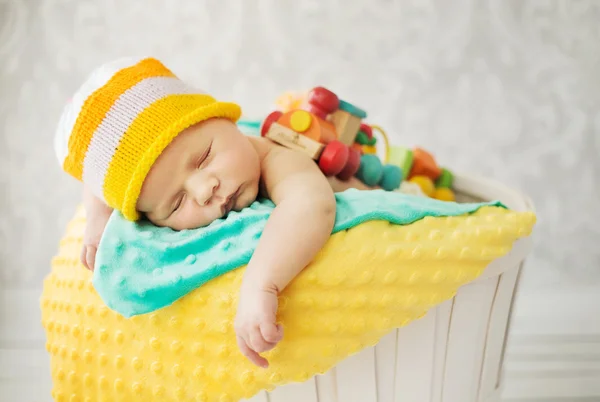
x: 299, y: 226
x: 97, y: 214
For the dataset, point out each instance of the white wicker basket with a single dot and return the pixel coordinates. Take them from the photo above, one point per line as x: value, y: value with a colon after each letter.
x: 453, y: 354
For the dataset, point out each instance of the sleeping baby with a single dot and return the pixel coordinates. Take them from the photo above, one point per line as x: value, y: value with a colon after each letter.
x: 147, y: 144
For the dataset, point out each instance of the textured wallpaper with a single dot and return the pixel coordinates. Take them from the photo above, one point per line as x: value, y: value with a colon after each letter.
x: 507, y: 89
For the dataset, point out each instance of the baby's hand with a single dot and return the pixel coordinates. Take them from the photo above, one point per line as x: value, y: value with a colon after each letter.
x: 255, y: 325
x: 95, y: 223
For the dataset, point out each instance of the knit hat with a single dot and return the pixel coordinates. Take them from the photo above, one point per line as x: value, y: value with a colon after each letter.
x: 121, y: 119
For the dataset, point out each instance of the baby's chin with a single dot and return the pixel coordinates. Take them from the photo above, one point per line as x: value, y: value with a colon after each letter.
x: 245, y: 200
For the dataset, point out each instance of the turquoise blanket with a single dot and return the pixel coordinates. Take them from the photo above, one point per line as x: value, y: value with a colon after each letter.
x: 141, y: 267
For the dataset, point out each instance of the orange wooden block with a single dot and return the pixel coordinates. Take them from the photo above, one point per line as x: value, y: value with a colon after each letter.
x: 318, y: 129
x: 424, y: 165
x: 289, y: 138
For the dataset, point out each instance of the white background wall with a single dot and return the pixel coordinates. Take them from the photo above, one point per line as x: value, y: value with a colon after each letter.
x: 509, y: 89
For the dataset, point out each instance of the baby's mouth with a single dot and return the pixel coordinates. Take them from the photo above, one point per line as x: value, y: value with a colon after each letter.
x: 229, y: 203
x: 225, y: 208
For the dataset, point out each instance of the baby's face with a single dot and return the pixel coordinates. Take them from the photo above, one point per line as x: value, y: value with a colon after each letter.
x: 208, y: 170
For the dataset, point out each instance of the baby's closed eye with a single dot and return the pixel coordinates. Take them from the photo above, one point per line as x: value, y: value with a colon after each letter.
x: 204, y: 158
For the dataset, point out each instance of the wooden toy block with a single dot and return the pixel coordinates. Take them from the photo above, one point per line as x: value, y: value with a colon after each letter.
x: 318, y: 129
x: 424, y: 165
x: 346, y: 125
x: 401, y: 157
x: 293, y: 140
x: 445, y: 180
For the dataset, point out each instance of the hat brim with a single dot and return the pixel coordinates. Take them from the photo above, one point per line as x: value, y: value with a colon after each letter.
x: 226, y: 110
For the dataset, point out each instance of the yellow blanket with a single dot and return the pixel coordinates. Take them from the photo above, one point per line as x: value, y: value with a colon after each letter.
x: 367, y: 281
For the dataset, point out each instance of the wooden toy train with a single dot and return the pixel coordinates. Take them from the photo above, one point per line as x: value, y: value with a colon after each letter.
x: 332, y: 132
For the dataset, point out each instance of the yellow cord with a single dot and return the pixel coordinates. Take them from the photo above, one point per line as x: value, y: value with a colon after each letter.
x: 386, y: 140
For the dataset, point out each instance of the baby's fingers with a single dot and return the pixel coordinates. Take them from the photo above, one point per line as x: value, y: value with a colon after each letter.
x: 256, y: 341
x: 271, y: 333
x: 83, y: 256
x: 91, y: 257
x: 251, y: 354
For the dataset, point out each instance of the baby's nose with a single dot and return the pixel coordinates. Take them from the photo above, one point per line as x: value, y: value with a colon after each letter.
x: 203, y: 189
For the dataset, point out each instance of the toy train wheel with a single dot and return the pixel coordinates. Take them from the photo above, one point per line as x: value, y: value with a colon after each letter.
x: 334, y: 158
x: 351, y: 166
x: 270, y: 119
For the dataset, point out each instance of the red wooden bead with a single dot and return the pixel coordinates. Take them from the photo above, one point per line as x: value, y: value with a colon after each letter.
x: 365, y: 128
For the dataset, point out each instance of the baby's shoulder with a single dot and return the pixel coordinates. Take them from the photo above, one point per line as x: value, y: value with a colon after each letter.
x: 261, y: 143
x: 274, y: 157
x: 268, y: 151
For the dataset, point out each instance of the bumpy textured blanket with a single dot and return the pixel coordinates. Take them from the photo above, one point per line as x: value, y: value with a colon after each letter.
x: 370, y: 278
x: 142, y: 268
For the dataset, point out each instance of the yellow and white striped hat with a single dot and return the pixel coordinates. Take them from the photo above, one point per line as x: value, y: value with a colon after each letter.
x: 121, y: 119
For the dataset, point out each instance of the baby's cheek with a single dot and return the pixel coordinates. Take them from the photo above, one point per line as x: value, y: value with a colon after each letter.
x: 236, y: 162
x: 204, y: 216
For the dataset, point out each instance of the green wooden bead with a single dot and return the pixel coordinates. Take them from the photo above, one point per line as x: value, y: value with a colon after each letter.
x: 362, y: 138
x: 445, y: 180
